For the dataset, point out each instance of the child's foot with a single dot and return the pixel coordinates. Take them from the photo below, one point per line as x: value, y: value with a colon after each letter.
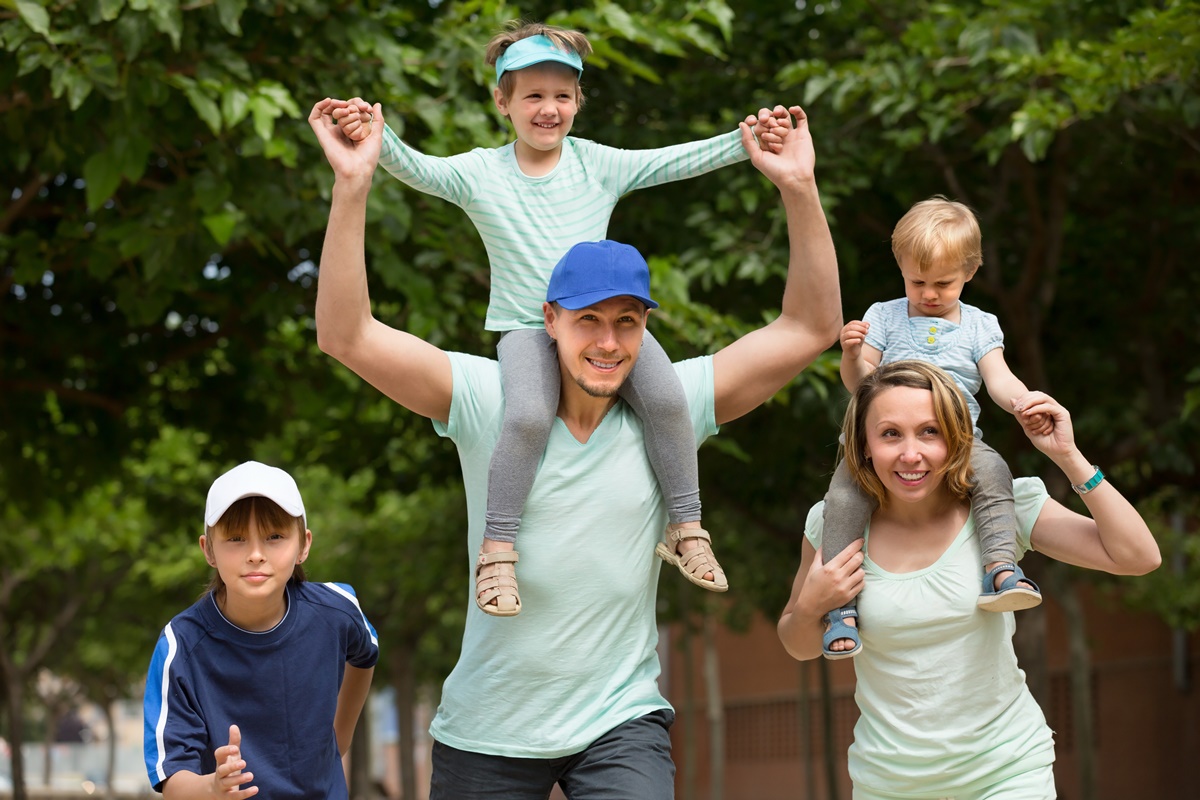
x: 689, y: 548
x: 1005, y: 588
x: 496, y: 579
x: 841, y: 637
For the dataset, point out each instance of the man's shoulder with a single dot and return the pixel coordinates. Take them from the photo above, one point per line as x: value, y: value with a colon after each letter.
x: 473, y: 367
x: 694, y: 370
x: 476, y: 396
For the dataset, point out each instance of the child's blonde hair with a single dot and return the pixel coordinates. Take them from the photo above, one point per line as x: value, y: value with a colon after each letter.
x: 939, y: 232
x: 516, y: 30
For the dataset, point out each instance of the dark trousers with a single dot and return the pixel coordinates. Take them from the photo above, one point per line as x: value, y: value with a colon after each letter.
x: 630, y: 762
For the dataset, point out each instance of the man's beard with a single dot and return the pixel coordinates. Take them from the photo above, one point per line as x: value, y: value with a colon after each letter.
x: 598, y: 391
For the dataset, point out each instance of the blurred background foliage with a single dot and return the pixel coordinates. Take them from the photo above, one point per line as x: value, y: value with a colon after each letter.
x: 163, y: 213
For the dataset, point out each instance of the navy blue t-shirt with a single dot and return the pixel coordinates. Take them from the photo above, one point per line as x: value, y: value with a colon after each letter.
x: 280, y: 687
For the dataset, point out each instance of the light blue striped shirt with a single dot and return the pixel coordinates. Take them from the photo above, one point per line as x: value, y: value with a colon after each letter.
x: 956, y: 347
x: 528, y: 223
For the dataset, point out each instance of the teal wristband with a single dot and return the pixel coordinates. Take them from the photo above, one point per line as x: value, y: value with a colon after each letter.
x: 1092, y: 483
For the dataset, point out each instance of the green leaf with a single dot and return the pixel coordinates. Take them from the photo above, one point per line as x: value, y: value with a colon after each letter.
x: 234, y: 106
x: 168, y: 19
x: 1019, y: 40
x: 717, y: 13
x: 136, y: 240
x: 222, y: 224
x: 1191, y: 401
x: 110, y: 9
x: 210, y: 191
x: 205, y: 106
x: 284, y: 150
x: 102, y: 176
x: 131, y: 152
x: 815, y: 86
x: 230, y: 14
x: 34, y: 16
x: 264, y: 112
x: 101, y: 69
x: 133, y: 30
x: 65, y: 78
x: 280, y: 96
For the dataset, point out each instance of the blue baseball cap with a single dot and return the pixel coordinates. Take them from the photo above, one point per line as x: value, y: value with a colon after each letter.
x: 534, y: 50
x: 594, y: 271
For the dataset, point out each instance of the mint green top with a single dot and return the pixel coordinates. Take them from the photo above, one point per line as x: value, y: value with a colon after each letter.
x: 945, y: 709
x: 527, y: 224
x: 580, y: 658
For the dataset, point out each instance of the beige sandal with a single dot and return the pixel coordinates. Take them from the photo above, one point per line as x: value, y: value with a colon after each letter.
x: 496, y: 580
x: 695, y: 562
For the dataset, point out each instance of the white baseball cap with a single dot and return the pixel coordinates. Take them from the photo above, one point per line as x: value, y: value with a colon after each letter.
x: 253, y: 479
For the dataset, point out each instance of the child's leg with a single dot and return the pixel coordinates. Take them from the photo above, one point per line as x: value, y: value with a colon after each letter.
x: 846, y: 514
x: 996, y: 525
x: 992, y: 505
x: 655, y: 394
x: 530, y: 377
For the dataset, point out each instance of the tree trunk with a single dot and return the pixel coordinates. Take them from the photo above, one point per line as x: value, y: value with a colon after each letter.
x: 1081, y: 693
x: 48, y: 744
x: 110, y: 765
x: 804, y: 729
x: 716, y: 705
x: 831, y: 770
x: 16, y: 728
x: 404, y: 686
x: 361, y: 785
x: 689, y: 711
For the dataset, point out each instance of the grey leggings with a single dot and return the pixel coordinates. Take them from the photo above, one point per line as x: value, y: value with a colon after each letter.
x: 530, y: 376
x: 848, y: 509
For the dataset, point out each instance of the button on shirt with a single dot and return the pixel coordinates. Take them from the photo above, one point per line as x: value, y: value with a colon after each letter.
x: 956, y: 347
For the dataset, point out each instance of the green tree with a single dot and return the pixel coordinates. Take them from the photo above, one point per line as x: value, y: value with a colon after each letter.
x: 1070, y: 128
x: 164, y: 205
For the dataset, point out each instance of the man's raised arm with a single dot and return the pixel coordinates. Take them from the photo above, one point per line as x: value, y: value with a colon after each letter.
x: 412, y: 372
x: 753, y: 368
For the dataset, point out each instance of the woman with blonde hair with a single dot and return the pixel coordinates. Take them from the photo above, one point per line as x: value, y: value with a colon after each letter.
x: 945, y: 709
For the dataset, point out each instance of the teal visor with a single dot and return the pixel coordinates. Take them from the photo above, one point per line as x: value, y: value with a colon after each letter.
x: 535, y: 50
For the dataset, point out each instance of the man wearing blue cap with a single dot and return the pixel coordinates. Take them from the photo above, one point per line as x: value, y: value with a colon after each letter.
x: 567, y: 692
x: 531, y: 200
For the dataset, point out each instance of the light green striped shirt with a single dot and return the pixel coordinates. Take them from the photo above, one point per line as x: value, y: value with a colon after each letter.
x: 528, y: 223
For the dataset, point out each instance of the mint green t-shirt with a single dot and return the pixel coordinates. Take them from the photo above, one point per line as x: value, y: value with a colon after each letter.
x: 528, y: 223
x: 580, y: 658
x: 945, y: 708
